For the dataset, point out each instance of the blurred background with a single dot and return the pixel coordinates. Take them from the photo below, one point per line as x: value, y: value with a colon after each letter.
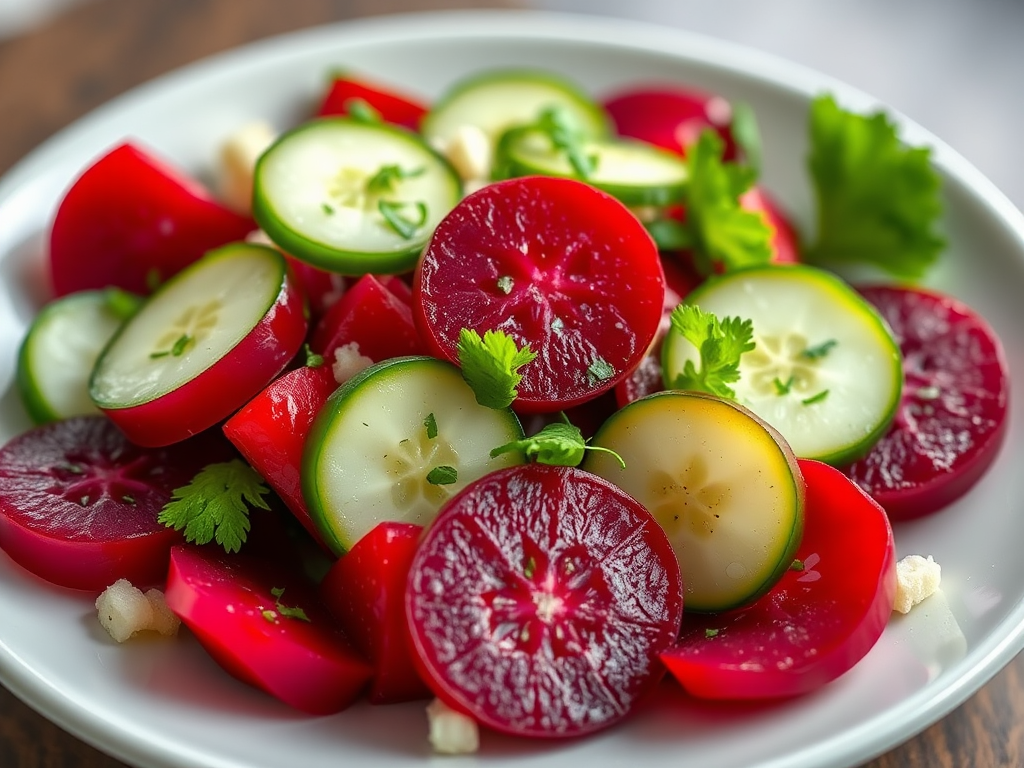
x: 955, y: 66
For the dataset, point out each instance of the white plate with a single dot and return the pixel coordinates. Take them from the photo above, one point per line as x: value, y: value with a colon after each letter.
x: 165, y: 704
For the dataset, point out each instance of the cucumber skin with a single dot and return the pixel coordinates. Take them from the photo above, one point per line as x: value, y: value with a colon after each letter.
x: 842, y: 457
x: 141, y: 421
x: 601, y: 122
x: 799, y: 490
x: 318, y: 436
x: 38, y: 409
x: 506, y: 166
x: 349, y: 263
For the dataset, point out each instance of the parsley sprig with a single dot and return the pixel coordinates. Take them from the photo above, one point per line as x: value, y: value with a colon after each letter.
x: 878, y: 199
x: 720, y: 345
x: 490, y: 365
x: 560, y: 444
x: 214, y: 506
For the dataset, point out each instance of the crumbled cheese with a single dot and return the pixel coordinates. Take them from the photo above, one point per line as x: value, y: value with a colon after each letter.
x: 348, y: 362
x: 451, y: 732
x: 470, y: 153
x: 917, y: 578
x: 238, y: 158
x: 165, y: 621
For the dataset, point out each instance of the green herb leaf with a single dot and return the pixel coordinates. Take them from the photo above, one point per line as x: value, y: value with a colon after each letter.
x: 396, y: 216
x: 747, y: 134
x: 177, y: 349
x: 557, y: 125
x: 361, y: 111
x: 878, y: 200
x: 431, y: 425
x: 720, y: 345
x: 723, y: 232
x: 121, y: 304
x: 313, y: 360
x: 599, y: 370
x: 505, y: 284
x: 215, y: 505
x: 815, y: 398
x: 288, y: 611
x: 560, y: 444
x: 387, y: 178
x: 443, y: 475
x: 783, y: 387
x: 490, y: 365
x: 670, y: 235
x: 710, y: 632
x: 797, y: 565
x: 819, y: 351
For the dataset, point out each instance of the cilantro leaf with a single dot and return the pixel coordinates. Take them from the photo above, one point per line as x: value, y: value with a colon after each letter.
x: 443, y: 475
x: 288, y: 611
x: 490, y: 365
x: 430, y: 424
x: 557, y: 125
x: 560, y: 444
x: 388, y: 176
x: 747, y: 134
x: 723, y: 232
x: 361, y: 111
x: 720, y: 345
x: 400, y: 219
x: 215, y: 504
x: 878, y: 200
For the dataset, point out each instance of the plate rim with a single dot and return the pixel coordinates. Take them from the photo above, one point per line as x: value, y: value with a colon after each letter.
x: 884, y: 731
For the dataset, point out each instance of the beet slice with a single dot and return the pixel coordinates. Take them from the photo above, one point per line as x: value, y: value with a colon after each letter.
x: 952, y: 418
x: 553, y: 263
x: 265, y: 626
x: 821, y: 618
x: 79, y: 503
x: 539, y: 600
x: 365, y: 591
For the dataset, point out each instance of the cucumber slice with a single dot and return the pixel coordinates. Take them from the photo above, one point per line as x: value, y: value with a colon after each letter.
x: 724, y: 485
x: 378, y: 437
x: 61, y: 347
x: 205, y: 343
x: 632, y: 171
x: 498, y: 100
x: 352, y: 197
x: 825, y: 371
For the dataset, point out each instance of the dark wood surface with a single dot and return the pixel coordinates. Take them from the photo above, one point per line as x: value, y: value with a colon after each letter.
x: 118, y: 44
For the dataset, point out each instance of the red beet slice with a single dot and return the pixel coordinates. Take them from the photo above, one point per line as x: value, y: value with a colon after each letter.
x: 365, y: 590
x: 246, y: 613
x: 270, y: 432
x: 817, y: 622
x: 539, y: 600
x: 555, y: 264
x: 952, y: 419
x: 393, y: 107
x: 132, y: 221
x: 79, y: 503
x: 669, y: 116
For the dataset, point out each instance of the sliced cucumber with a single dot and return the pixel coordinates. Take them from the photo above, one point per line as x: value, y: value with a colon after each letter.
x: 723, y: 484
x: 61, y: 348
x: 825, y: 371
x: 352, y: 197
x: 376, y: 447
x: 633, y: 171
x: 193, y: 320
x: 498, y: 100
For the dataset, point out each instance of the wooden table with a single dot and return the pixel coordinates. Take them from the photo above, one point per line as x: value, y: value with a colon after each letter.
x: 120, y: 43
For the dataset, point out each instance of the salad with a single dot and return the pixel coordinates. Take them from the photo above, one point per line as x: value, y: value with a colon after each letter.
x: 656, y: 334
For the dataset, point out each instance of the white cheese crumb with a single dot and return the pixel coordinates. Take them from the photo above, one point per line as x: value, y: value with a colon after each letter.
x: 123, y: 610
x: 238, y: 156
x: 451, y: 732
x: 165, y: 621
x: 348, y: 362
x: 470, y: 153
x: 917, y: 578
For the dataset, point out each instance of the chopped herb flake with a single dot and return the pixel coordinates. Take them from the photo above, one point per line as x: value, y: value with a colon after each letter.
x: 443, y: 475
x: 361, y: 111
x: 398, y: 219
x: 783, y: 387
x: 388, y: 176
x: 505, y: 284
x: 819, y: 351
x: 313, y: 360
x: 796, y: 565
x: 709, y: 632
x: 599, y: 370
x: 815, y: 398
x: 431, y: 424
